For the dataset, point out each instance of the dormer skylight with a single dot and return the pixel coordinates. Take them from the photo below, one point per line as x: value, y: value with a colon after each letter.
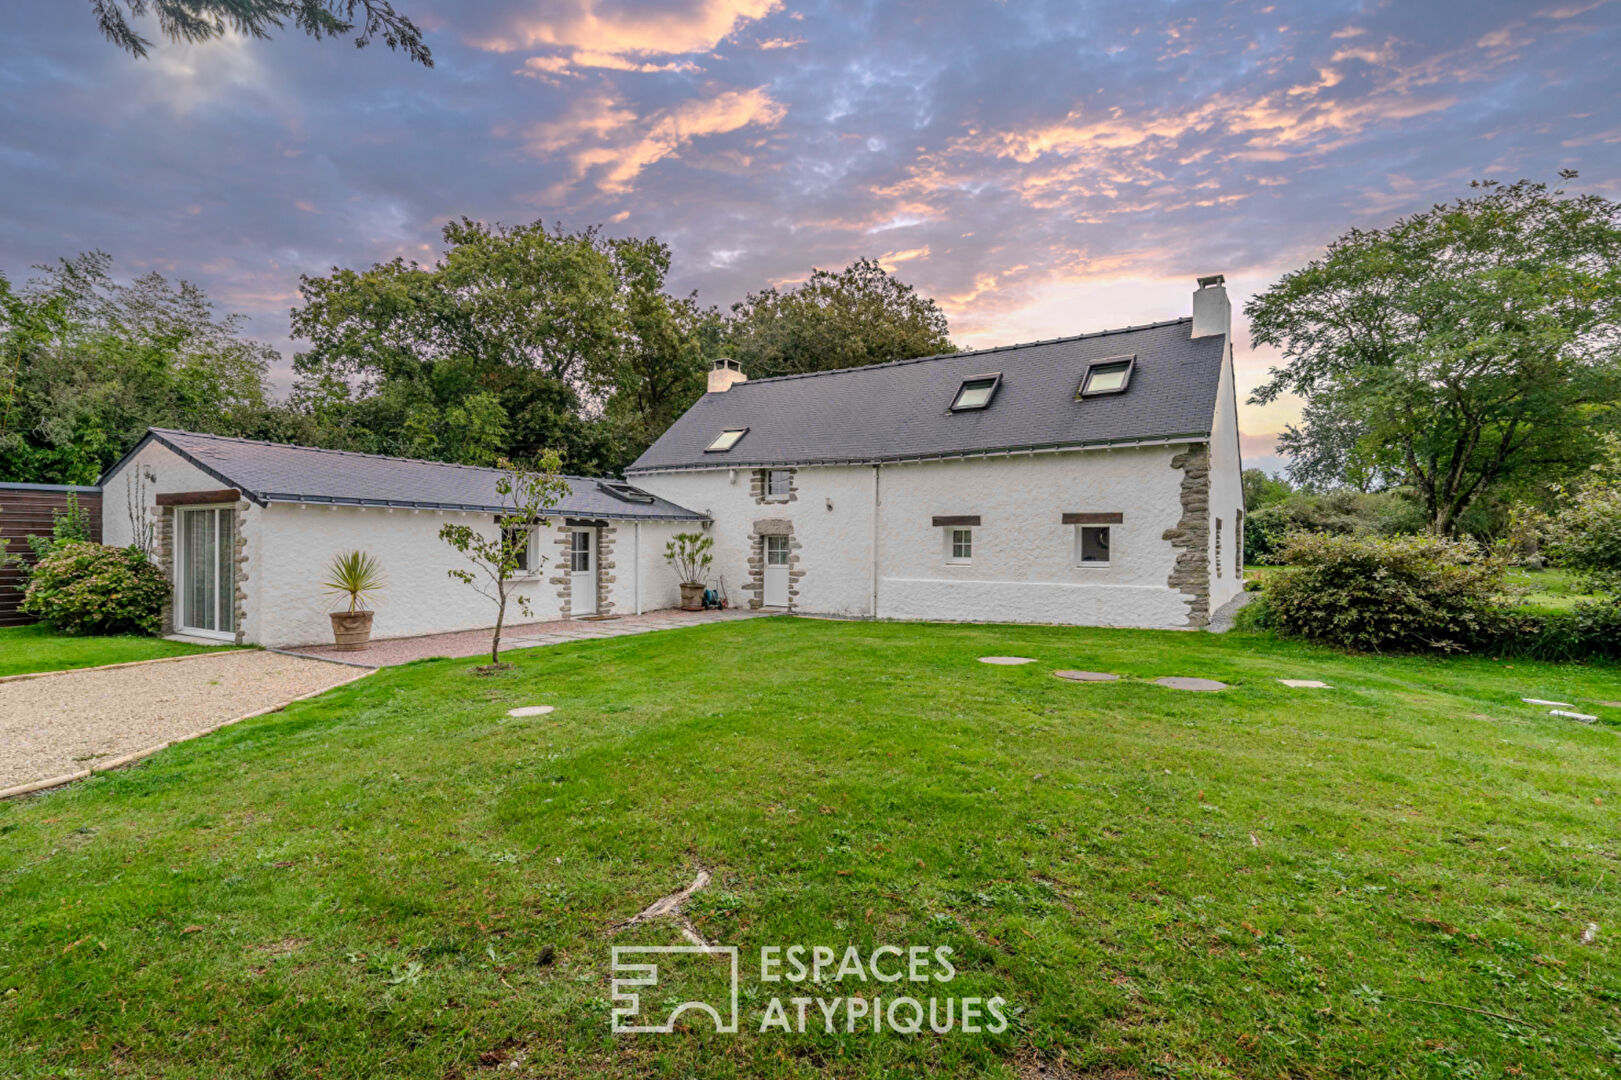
x: 1108, y: 376
x: 726, y: 440
x: 620, y: 490
x: 976, y: 392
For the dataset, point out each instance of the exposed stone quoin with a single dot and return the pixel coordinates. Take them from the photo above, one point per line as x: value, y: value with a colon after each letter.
x: 1190, y: 575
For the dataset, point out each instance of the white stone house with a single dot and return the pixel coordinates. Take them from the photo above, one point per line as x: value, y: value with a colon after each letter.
x: 246, y: 531
x: 1089, y: 480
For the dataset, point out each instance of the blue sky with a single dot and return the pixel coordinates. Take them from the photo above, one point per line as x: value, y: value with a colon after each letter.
x: 1041, y: 168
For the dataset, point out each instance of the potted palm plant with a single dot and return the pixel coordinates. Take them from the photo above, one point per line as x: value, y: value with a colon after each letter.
x: 355, y: 577
x: 689, y: 554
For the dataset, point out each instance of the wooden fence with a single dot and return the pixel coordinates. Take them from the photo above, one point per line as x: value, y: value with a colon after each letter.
x: 25, y: 510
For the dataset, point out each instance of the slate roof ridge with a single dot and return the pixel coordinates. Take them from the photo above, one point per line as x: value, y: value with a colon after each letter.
x: 355, y: 453
x: 989, y: 350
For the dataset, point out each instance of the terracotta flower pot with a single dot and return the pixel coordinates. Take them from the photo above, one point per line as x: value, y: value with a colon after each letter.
x: 351, y: 629
x: 692, y: 596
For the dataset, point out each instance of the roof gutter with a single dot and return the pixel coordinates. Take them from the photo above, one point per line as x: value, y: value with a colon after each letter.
x: 1013, y: 451
x: 466, y: 508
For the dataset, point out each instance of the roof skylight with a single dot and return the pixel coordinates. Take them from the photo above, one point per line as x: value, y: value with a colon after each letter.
x: 976, y: 392
x: 726, y: 440
x: 1109, y: 376
x: 624, y: 491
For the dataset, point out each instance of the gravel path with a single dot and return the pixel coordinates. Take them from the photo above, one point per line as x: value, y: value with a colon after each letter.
x: 62, y: 724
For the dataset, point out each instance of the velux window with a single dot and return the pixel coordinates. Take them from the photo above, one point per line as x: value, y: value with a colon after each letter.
x: 1106, y: 376
x: 976, y: 392
x: 726, y: 440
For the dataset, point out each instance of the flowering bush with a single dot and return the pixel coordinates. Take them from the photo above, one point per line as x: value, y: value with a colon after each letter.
x: 86, y: 588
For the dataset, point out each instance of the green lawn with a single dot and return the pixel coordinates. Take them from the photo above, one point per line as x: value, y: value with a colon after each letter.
x: 1389, y: 878
x: 33, y: 648
x: 1550, y: 590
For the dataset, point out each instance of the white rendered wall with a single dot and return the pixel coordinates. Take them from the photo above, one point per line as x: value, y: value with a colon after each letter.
x: 1226, y: 490
x: 1023, y: 568
x: 836, y: 543
x: 659, y: 587
x: 172, y: 474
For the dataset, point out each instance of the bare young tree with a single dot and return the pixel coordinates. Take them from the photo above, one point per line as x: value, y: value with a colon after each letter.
x: 142, y: 529
x: 526, y: 494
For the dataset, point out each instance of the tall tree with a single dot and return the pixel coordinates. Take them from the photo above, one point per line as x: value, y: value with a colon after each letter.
x: 97, y: 361
x: 860, y: 315
x: 195, y: 21
x: 1469, y: 347
x: 540, y: 338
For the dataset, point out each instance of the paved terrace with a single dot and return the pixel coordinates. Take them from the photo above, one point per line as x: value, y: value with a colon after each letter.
x: 388, y: 651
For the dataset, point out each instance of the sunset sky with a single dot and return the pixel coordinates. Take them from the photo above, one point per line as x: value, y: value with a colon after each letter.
x: 1040, y: 168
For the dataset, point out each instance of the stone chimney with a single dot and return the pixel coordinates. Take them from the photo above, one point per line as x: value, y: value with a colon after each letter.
x: 1212, y: 311
x: 725, y: 375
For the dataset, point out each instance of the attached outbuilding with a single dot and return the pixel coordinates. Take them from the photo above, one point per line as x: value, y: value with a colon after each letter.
x: 1090, y: 480
x: 246, y: 531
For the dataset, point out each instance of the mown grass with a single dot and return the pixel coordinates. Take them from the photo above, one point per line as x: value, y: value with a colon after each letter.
x: 25, y: 649
x: 1389, y: 878
x: 1550, y: 590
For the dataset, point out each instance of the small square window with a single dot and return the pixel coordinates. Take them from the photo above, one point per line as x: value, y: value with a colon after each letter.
x: 778, y: 483
x: 1092, y: 545
x: 959, y: 546
x: 726, y: 440
x: 1106, y: 377
x: 522, y: 541
x: 976, y: 392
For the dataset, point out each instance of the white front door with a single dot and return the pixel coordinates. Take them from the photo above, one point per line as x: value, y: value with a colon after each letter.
x: 205, y: 571
x: 583, y: 571
x: 776, y: 571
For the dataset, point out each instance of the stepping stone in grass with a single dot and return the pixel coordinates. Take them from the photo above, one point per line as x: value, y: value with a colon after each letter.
x: 530, y: 710
x: 1539, y: 701
x: 1306, y: 684
x: 1086, y: 676
x: 1006, y: 660
x: 1180, y: 682
x: 1581, y: 718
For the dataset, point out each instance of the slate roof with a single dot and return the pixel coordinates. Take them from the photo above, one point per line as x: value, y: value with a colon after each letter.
x: 901, y: 411
x: 274, y: 472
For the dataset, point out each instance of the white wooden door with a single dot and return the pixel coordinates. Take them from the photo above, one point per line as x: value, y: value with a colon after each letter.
x: 205, y: 571
x: 776, y: 571
x: 583, y: 571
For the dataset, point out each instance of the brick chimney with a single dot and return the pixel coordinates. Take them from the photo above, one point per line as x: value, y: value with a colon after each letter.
x: 1212, y: 311
x: 725, y: 375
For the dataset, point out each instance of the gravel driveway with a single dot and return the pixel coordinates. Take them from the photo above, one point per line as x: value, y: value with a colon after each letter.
x: 61, y: 724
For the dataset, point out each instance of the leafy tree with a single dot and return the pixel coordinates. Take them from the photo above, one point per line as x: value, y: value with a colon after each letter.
x: 1261, y: 490
x: 526, y: 494
x: 517, y: 339
x: 1586, y: 532
x: 1468, y: 347
x: 860, y: 315
x: 194, y: 21
x: 95, y: 362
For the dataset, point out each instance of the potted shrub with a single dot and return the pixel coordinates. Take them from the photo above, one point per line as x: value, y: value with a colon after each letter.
x: 689, y: 554
x: 356, y: 578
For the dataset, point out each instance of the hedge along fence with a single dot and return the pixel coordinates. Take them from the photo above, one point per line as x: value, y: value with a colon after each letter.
x: 27, y: 510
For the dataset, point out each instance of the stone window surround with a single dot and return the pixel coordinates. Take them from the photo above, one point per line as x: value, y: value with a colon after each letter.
x: 759, y: 480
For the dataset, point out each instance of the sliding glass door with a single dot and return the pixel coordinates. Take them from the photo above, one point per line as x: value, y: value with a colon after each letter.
x: 205, y: 601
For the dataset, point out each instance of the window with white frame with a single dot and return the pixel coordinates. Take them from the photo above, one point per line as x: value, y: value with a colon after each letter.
x: 777, y: 483
x: 1092, y: 545
x: 959, y: 545
x: 522, y: 540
